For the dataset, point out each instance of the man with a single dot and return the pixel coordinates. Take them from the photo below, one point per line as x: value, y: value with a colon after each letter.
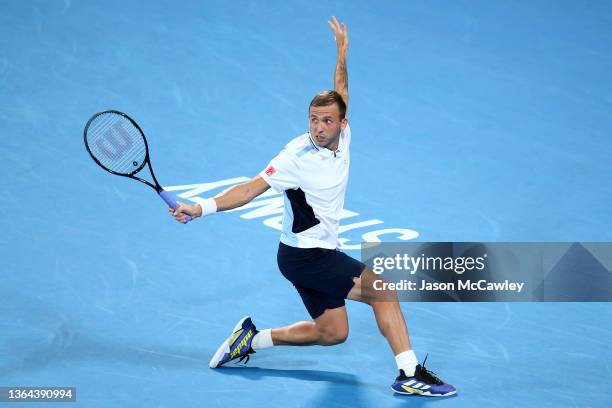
x: 312, y: 170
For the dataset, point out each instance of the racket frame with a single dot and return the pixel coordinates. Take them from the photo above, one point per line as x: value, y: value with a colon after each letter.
x: 147, y: 161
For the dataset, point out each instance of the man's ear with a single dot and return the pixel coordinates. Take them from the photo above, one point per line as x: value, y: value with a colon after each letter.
x: 343, y: 123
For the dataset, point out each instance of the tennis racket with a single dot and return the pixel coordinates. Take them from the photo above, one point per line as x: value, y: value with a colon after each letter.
x: 118, y: 145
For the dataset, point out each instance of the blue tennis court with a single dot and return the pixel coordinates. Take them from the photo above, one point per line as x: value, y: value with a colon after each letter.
x: 472, y: 121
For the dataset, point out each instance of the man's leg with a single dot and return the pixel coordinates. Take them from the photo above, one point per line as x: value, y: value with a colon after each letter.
x: 387, y: 311
x: 413, y: 378
x: 389, y: 318
x: 326, y: 330
x: 332, y: 326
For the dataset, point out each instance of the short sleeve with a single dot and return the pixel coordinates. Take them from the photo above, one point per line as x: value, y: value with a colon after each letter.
x: 281, y: 173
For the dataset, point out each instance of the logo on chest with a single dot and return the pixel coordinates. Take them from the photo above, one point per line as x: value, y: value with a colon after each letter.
x: 270, y: 171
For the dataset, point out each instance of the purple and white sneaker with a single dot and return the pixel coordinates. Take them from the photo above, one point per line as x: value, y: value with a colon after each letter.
x: 238, y: 345
x: 423, y: 382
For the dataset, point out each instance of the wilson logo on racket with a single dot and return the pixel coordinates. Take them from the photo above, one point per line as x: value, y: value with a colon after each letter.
x: 118, y: 147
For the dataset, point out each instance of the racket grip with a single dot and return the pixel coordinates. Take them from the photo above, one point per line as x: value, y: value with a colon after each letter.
x: 167, y: 197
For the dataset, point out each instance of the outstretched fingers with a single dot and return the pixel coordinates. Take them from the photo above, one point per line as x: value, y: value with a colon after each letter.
x: 335, y: 25
x: 340, y: 32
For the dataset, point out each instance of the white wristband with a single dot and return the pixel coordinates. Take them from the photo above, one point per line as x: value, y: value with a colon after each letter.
x: 209, y: 206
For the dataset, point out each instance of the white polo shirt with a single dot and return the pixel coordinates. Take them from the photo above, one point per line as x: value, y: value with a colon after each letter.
x: 314, y: 181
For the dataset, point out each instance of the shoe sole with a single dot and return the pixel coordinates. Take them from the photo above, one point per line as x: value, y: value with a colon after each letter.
x: 224, y: 347
x: 448, y: 394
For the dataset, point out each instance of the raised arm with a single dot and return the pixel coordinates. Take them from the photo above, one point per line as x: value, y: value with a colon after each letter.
x: 341, y: 73
x: 234, y: 197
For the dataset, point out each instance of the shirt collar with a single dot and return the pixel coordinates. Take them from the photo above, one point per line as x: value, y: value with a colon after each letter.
x: 313, y: 144
x: 325, y: 150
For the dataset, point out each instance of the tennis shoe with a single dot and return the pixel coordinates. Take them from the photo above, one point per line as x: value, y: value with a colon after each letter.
x: 423, y: 382
x: 237, y: 346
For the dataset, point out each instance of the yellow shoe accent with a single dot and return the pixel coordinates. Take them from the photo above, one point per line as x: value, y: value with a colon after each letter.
x: 234, y: 336
x: 240, y: 345
x: 411, y: 390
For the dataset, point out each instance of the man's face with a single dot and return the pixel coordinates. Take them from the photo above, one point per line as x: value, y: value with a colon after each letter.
x: 325, y: 125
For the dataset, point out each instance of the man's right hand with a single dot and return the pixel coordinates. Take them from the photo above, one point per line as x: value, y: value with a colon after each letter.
x: 194, y: 211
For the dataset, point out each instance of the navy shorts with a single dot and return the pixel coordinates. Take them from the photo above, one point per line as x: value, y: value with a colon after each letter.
x: 322, y: 277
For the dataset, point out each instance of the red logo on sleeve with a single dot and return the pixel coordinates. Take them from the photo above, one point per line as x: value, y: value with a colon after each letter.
x: 270, y: 171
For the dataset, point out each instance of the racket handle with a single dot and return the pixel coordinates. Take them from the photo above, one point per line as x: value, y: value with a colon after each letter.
x: 167, y: 197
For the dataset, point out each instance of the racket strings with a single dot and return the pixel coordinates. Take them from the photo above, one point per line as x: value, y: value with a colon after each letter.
x: 120, y: 144
x: 116, y: 143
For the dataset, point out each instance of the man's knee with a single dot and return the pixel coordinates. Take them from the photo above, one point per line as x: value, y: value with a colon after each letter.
x: 366, y: 291
x: 330, y: 336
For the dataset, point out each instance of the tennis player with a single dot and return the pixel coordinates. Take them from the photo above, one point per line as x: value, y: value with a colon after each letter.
x: 312, y: 171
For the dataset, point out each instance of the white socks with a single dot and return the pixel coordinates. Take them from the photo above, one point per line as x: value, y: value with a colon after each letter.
x: 407, y: 361
x: 262, y: 340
